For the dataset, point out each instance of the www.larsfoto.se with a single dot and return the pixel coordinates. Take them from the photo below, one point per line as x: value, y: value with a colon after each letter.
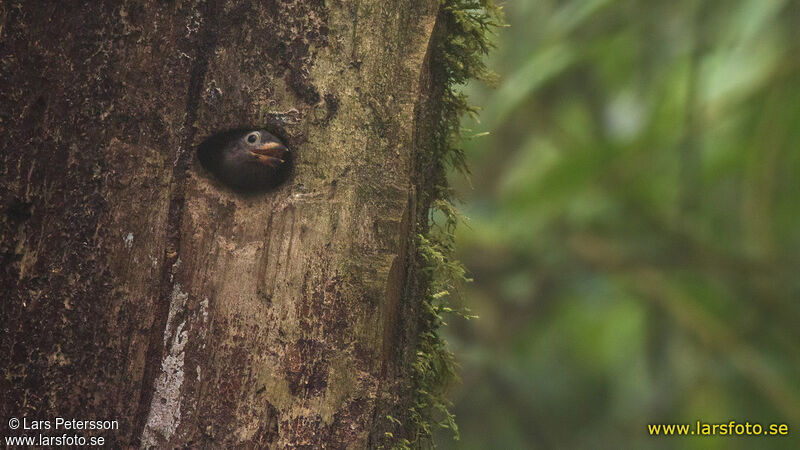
x: 64, y: 439
x: 731, y: 428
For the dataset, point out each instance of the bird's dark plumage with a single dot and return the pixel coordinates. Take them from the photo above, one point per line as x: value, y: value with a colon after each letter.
x: 246, y: 159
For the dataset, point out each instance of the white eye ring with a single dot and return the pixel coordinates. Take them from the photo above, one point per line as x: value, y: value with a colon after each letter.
x: 253, y: 137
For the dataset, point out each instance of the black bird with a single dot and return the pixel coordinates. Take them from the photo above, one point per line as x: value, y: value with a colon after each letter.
x: 246, y: 159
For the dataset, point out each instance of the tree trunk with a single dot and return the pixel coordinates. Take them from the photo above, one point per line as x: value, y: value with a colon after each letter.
x: 138, y: 288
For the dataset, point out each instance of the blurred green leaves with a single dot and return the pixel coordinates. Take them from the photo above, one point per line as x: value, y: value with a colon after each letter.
x: 634, y: 225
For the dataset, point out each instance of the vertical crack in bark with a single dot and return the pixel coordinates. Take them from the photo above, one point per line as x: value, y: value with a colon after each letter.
x: 206, y: 43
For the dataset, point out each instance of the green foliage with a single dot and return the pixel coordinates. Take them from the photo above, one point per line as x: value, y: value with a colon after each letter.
x: 634, y: 226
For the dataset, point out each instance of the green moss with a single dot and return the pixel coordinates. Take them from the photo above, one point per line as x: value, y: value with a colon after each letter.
x: 458, y: 57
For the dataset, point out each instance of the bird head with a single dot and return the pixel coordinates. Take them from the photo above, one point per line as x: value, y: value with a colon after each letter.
x: 246, y: 159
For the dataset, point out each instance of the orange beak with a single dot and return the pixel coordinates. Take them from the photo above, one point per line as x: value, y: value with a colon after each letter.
x: 270, y: 153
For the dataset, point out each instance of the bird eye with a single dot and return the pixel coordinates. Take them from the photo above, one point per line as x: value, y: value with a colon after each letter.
x: 252, y: 138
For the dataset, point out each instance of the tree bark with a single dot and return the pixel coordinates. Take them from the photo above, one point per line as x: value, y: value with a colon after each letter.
x: 137, y: 288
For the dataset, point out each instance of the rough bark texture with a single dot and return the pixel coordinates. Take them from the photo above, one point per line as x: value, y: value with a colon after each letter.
x: 137, y: 288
